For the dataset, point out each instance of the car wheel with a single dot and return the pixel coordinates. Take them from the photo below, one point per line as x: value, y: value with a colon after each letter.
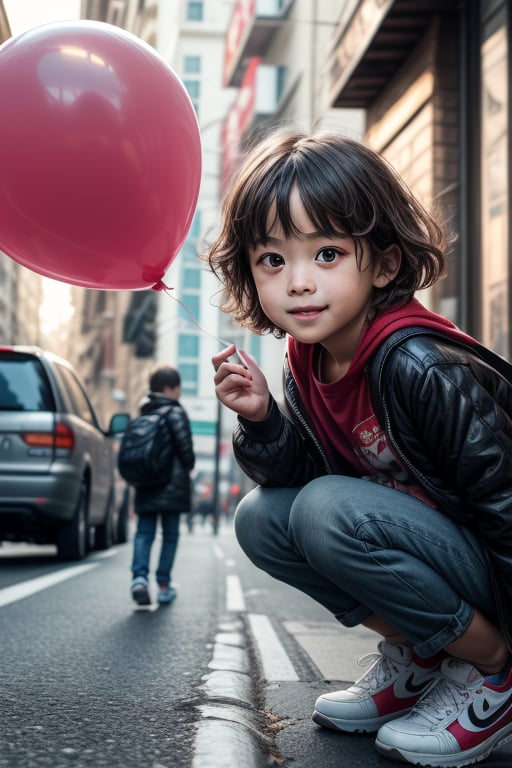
x: 124, y: 518
x: 73, y: 538
x: 104, y: 533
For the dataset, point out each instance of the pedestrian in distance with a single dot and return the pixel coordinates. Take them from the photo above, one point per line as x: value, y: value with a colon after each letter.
x: 384, y: 482
x: 167, y: 501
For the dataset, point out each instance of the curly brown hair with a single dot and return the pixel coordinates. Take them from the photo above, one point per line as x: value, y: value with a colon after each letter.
x: 344, y: 186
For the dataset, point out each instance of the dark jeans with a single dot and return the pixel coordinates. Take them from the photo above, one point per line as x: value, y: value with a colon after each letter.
x: 144, y: 537
x: 360, y: 548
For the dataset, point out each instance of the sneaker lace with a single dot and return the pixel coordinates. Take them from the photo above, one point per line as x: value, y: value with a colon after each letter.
x: 446, y: 697
x: 382, y: 671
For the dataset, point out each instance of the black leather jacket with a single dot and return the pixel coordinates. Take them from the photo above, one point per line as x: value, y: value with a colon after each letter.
x: 448, y: 415
x: 176, y: 495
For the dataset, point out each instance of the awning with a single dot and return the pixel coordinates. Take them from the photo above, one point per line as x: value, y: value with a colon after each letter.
x: 374, y: 42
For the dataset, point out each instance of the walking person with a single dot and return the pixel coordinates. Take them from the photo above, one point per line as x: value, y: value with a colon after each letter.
x: 163, y: 502
x: 385, y: 480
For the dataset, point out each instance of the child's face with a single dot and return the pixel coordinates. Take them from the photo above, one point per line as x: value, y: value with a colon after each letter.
x: 311, y: 286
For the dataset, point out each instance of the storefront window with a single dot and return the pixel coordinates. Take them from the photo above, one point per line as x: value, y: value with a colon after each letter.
x: 495, y: 194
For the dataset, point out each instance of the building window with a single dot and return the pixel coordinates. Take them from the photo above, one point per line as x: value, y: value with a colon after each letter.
x: 188, y: 345
x: 192, y: 65
x: 195, y: 229
x: 195, y: 10
x: 192, y: 304
x: 188, y: 339
x: 191, y: 278
x: 495, y: 192
x: 189, y: 373
x: 193, y: 88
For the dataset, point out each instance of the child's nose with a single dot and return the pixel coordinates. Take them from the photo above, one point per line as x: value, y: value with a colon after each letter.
x: 301, y: 281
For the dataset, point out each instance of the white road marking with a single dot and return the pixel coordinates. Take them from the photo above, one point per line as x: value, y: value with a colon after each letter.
x: 27, y: 588
x: 234, y: 595
x: 107, y: 553
x: 274, y: 659
x: 218, y: 552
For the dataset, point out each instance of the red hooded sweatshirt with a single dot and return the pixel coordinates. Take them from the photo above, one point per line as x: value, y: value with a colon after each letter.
x: 341, y: 412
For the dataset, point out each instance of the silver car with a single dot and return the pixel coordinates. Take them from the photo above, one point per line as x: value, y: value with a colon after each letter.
x: 56, y: 462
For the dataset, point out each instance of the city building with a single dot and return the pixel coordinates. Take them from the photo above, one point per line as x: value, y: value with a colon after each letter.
x: 191, y: 328
x: 21, y: 293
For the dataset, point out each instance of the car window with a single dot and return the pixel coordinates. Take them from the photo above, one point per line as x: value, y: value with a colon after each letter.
x: 80, y: 403
x: 24, y: 385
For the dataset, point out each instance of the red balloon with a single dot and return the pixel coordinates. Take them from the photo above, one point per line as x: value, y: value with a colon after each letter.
x: 100, y: 156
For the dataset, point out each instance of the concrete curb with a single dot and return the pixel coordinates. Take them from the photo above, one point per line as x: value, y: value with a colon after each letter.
x: 230, y: 730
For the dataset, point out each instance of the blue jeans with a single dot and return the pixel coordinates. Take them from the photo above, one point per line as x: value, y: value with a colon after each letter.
x: 360, y: 548
x: 144, y: 537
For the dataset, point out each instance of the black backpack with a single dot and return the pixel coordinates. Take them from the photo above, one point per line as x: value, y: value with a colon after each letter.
x: 145, y: 454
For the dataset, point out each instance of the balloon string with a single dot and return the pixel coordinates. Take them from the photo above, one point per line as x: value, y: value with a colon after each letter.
x: 161, y: 286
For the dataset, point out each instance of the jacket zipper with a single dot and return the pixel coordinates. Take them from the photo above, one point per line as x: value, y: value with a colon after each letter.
x: 387, y: 421
x: 305, y: 424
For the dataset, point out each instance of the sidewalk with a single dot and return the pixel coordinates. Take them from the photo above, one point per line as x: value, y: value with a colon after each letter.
x: 301, y: 743
x: 274, y: 653
x: 267, y: 724
x: 333, y: 654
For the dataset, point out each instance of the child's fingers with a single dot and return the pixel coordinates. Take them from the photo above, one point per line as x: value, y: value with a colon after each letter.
x: 244, y: 358
x: 238, y: 374
x: 222, y: 357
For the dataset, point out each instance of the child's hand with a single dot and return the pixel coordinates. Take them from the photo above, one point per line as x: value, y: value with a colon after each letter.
x: 241, y: 386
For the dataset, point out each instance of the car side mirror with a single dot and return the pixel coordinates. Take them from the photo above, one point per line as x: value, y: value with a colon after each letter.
x: 119, y: 423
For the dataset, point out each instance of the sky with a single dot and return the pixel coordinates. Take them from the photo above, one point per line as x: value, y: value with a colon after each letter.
x: 56, y: 308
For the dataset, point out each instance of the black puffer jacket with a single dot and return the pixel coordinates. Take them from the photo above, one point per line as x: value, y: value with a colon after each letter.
x: 176, y: 495
x: 446, y: 412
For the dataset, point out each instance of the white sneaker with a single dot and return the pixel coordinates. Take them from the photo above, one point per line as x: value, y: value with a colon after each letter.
x: 387, y: 690
x: 459, y: 721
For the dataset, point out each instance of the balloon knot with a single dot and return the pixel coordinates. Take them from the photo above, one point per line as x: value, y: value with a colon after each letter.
x: 161, y: 286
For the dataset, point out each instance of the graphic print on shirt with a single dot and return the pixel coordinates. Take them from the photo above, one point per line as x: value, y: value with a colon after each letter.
x: 374, y: 452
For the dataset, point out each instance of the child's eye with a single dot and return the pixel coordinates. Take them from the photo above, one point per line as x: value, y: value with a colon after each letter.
x: 328, y: 255
x: 272, y: 260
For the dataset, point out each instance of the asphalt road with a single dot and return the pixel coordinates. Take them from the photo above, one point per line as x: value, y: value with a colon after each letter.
x: 226, y: 677
x: 87, y: 680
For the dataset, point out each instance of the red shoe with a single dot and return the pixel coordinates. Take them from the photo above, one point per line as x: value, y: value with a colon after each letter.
x: 387, y: 690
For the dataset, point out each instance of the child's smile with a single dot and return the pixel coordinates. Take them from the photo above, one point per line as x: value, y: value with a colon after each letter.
x: 307, y: 313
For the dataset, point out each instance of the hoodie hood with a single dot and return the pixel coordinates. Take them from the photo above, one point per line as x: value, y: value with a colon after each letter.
x: 301, y: 356
x: 407, y: 316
